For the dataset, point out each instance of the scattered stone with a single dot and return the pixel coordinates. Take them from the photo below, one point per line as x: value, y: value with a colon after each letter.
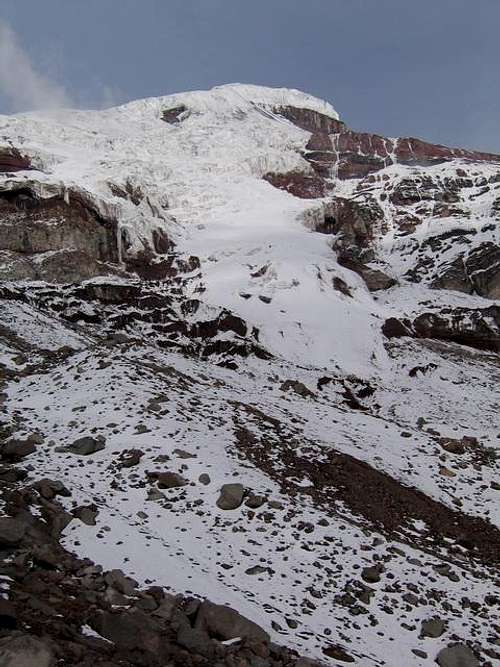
x: 87, y: 514
x: 338, y: 653
x: 182, y: 454
x: 85, y: 446
x: 256, y: 569
x: 371, y: 574
x: 130, y: 458
x: 432, y: 627
x: 255, y: 501
x: 298, y: 387
x: 169, y: 480
x: 49, y: 489
x: 204, y: 479
x: 231, y: 496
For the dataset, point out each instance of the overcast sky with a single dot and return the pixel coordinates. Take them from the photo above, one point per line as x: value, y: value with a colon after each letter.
x: 398, y: 67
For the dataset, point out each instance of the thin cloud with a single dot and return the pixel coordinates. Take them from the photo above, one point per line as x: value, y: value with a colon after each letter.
x: 24, y: 87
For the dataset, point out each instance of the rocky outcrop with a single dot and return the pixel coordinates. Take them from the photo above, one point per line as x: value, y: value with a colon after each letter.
x: 175, y: 114
x: 478, y: 328
x: 310, y: 120
x: 298, y: 184
x: 57, y: 238
x: 476, y: 272
x: 375, y: 279
x: 11, y: 160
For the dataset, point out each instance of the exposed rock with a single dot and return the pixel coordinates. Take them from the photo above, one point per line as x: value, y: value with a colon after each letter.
x: 231, y: 496
x: 457, y: 655
x: 474, y: 327
x: 225, y: 623
x: 371, y: 574
x: 298, y: 184
x: 204, y: 478
x: 11, y: 160
x: 129, y: 630
x: 87, y: 514
x: 130, y: 458
x: 254, y: 501
x: 11, y: 531
x: 22, y: 650
x: 49, y: 488
x: 86, y: 446
x: 8, y: 615
x: 196, y: 641
x: 338, y: 653
x: 175, y: 115
x: 168, y: 480
x: 16, y: 450
x: 374, y: 278
x: 298, y: 387
x: 432, y: 627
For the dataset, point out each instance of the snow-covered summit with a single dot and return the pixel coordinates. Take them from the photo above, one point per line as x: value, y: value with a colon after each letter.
x: 233, y: 98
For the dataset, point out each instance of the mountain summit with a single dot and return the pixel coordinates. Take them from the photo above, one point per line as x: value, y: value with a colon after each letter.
x: 250, y: 355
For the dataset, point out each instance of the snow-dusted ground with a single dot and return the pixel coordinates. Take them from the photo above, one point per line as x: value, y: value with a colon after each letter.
x: 201, y: 181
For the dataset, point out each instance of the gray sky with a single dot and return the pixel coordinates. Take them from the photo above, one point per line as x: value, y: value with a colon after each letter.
x: 398, y: 67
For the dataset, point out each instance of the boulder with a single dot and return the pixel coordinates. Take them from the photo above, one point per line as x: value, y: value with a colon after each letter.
x: 86, y: 446
x: 224, y: 623
x: 231, y: 496
x: 49, y: 489
x: 87, y: 514
x: 11, y: 532
x: 457, y: 655
x: 15, y: 450
x: 128, y: 630
x: 432, y: 627
x: 170, y: 480
x: 23, y: 650
x: 8, y: 615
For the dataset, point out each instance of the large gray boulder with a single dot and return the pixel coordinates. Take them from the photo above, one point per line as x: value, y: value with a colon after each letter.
x: 86, y: 446
x: 11, y: 531
x: 225, y: 623
x: 231, y: 496
x: 457, y: 655
x: 23, y: 650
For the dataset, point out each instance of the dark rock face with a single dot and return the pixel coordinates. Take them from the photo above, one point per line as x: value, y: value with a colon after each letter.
x: 374, y: 278
x: 354, y: 223
x: 298, y: 184
x: 312, y: 121
x: 53, y: 239
x: 11, y: 160
x: 175, y: 115
x: 336, y: 151
x: 478, y: 272
x: 478, y: 328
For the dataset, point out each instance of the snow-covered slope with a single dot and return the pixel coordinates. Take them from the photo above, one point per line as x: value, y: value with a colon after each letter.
x: 236, y: 285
